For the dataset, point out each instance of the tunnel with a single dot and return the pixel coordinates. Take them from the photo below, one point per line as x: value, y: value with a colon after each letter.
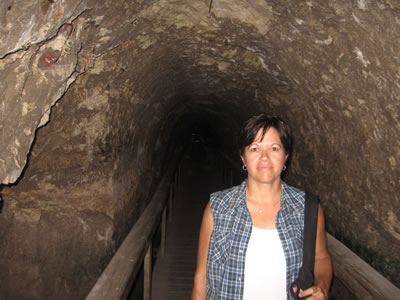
x: 97, y: 96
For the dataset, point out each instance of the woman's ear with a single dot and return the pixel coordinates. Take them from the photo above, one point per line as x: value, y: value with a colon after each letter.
x: 243, y: 160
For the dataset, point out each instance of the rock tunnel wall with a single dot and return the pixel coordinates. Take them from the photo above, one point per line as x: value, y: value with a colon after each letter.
x: 95, y: 94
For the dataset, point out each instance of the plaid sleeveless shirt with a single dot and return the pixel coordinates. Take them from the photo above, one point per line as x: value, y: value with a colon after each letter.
x: 231, y: 234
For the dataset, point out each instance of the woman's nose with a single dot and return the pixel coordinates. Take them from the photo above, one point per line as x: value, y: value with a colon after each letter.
x: 264, y: 154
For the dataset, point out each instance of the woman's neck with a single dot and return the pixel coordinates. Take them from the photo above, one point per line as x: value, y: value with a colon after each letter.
x: 264, y: 193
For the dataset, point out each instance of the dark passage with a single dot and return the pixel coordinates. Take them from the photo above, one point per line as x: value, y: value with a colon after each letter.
x: 199, y: 176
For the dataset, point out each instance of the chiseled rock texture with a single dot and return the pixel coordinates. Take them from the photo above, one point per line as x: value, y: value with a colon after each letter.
x: 96, y: 94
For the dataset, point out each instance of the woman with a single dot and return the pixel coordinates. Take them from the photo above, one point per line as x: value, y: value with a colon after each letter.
x: 251, y: 237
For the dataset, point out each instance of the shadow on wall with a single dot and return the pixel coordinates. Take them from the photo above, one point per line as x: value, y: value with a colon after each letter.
x: 1, y: 199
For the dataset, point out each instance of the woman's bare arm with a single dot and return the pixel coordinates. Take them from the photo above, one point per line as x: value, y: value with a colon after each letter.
x: 323, y: 265
x: 200, y: 282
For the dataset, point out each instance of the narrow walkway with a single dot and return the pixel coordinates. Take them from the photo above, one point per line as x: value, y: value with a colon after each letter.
x: 173, y: 273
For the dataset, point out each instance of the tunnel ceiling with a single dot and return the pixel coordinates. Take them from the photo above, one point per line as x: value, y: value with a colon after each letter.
x: 319, y: 57
x: 93, y: 84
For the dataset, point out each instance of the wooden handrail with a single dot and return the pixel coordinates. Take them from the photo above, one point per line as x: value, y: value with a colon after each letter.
x: 117, y: 279
x: 359, y: 277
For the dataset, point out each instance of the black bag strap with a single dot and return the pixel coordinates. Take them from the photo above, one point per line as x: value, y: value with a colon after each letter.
x: 306, y: 274
x: 310, y: 230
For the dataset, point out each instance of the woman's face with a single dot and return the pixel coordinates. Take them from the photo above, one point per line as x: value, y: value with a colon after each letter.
x: 265, y: 158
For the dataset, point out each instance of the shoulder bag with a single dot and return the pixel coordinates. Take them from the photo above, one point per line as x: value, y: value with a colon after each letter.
x: 306, y: 274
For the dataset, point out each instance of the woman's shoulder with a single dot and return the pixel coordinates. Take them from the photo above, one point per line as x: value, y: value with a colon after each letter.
x: 292, y: 189
x: 227, y: 198
x: 223, y: 193
x: 293, y: 194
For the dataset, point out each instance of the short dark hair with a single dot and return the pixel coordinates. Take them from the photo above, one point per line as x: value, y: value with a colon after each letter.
x: 264, y: 121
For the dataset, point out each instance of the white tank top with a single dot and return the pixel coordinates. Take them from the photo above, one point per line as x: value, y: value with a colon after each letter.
x: 265, y: 266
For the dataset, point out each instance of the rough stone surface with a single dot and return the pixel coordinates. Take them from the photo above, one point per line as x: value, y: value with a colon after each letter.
x: 95, y: 94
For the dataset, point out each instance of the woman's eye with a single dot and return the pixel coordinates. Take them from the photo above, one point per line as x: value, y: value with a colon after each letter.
x: 253, y: 149
x: 275, y: 148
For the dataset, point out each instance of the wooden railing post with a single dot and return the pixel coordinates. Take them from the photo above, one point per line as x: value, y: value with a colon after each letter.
x: 176, y: 181
x: 170, y: 202
x: 178, y: 174
x: 223, y: 164
x: 147, y: 273
x: 163, y: 232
